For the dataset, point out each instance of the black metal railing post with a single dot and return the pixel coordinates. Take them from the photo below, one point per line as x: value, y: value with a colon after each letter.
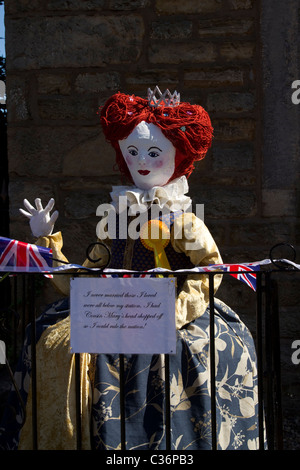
x: 276, y: 357
x: 259, y: 353
x: 269, y: 410
x: 273, y: 366
x: 78, y: 401
x: 167, y: 402
x: 212, y: 362
x: 32, y: 296
x: 122, y: 401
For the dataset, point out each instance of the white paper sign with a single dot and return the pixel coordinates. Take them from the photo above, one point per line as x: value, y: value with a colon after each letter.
x: 123, y: 315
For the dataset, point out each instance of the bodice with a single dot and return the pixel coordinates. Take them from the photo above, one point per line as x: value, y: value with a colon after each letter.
x: 132, y: 254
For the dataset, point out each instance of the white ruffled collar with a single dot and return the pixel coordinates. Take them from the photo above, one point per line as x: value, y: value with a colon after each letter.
x: 171, y: 196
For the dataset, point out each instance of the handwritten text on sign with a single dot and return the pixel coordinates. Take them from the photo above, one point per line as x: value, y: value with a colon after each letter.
x: 123, y: 315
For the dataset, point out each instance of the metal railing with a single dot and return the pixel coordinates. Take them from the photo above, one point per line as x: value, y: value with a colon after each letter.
x: 267, y: 342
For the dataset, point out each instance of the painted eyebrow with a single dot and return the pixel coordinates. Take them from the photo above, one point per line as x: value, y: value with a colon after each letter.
x: 155, y: 148
x: 129, y: 146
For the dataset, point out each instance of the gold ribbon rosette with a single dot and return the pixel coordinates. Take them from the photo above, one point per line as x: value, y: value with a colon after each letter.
x: 155, y: 236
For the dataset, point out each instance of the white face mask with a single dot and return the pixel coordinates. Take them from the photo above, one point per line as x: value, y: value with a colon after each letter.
x: 149, y: 155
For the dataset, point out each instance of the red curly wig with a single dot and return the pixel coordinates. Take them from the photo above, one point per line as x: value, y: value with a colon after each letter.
x: 187, y: 126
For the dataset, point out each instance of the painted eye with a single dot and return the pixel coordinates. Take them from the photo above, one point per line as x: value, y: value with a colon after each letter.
x: 153, y: 154
x: 133, y: 152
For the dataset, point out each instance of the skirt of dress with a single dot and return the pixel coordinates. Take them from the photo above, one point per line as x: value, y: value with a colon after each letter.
x: 144, y: 390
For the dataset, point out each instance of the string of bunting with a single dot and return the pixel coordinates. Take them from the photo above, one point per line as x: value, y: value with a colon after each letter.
x: 18, y: 257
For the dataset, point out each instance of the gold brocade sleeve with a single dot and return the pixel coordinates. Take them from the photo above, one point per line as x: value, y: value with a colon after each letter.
x: 55, y: 242
x: 190, y: 235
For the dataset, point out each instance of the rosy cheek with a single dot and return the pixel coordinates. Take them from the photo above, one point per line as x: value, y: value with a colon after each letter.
x: 128, y: 159
x: 158, y: 164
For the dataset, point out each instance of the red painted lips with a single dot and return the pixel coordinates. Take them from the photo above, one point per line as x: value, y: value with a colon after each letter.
x: 143, y: 172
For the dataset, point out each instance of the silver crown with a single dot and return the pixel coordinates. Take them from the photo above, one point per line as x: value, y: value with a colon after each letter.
x: 157, y: 98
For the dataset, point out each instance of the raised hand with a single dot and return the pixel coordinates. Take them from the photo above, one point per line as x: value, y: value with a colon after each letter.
x: 41, y: 223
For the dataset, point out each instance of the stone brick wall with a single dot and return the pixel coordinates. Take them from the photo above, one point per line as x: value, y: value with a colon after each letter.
x: 237, y: 58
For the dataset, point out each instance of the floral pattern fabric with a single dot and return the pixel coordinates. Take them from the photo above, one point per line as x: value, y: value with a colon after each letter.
x: 190, y: 396
x: 144, y: 390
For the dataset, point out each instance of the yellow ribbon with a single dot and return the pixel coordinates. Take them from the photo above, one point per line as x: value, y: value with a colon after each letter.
x: 155, y: 236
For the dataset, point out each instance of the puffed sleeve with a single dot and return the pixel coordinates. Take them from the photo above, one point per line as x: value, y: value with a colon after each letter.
x: 55, y: 242
x: 190, y: 235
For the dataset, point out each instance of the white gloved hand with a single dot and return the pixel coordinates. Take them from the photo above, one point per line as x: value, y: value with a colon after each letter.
x: 41, y: 223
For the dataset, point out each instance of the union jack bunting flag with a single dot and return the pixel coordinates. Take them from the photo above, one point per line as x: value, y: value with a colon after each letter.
x: 127, y: 275
x: 246, y: 274
x: 16, y: 254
